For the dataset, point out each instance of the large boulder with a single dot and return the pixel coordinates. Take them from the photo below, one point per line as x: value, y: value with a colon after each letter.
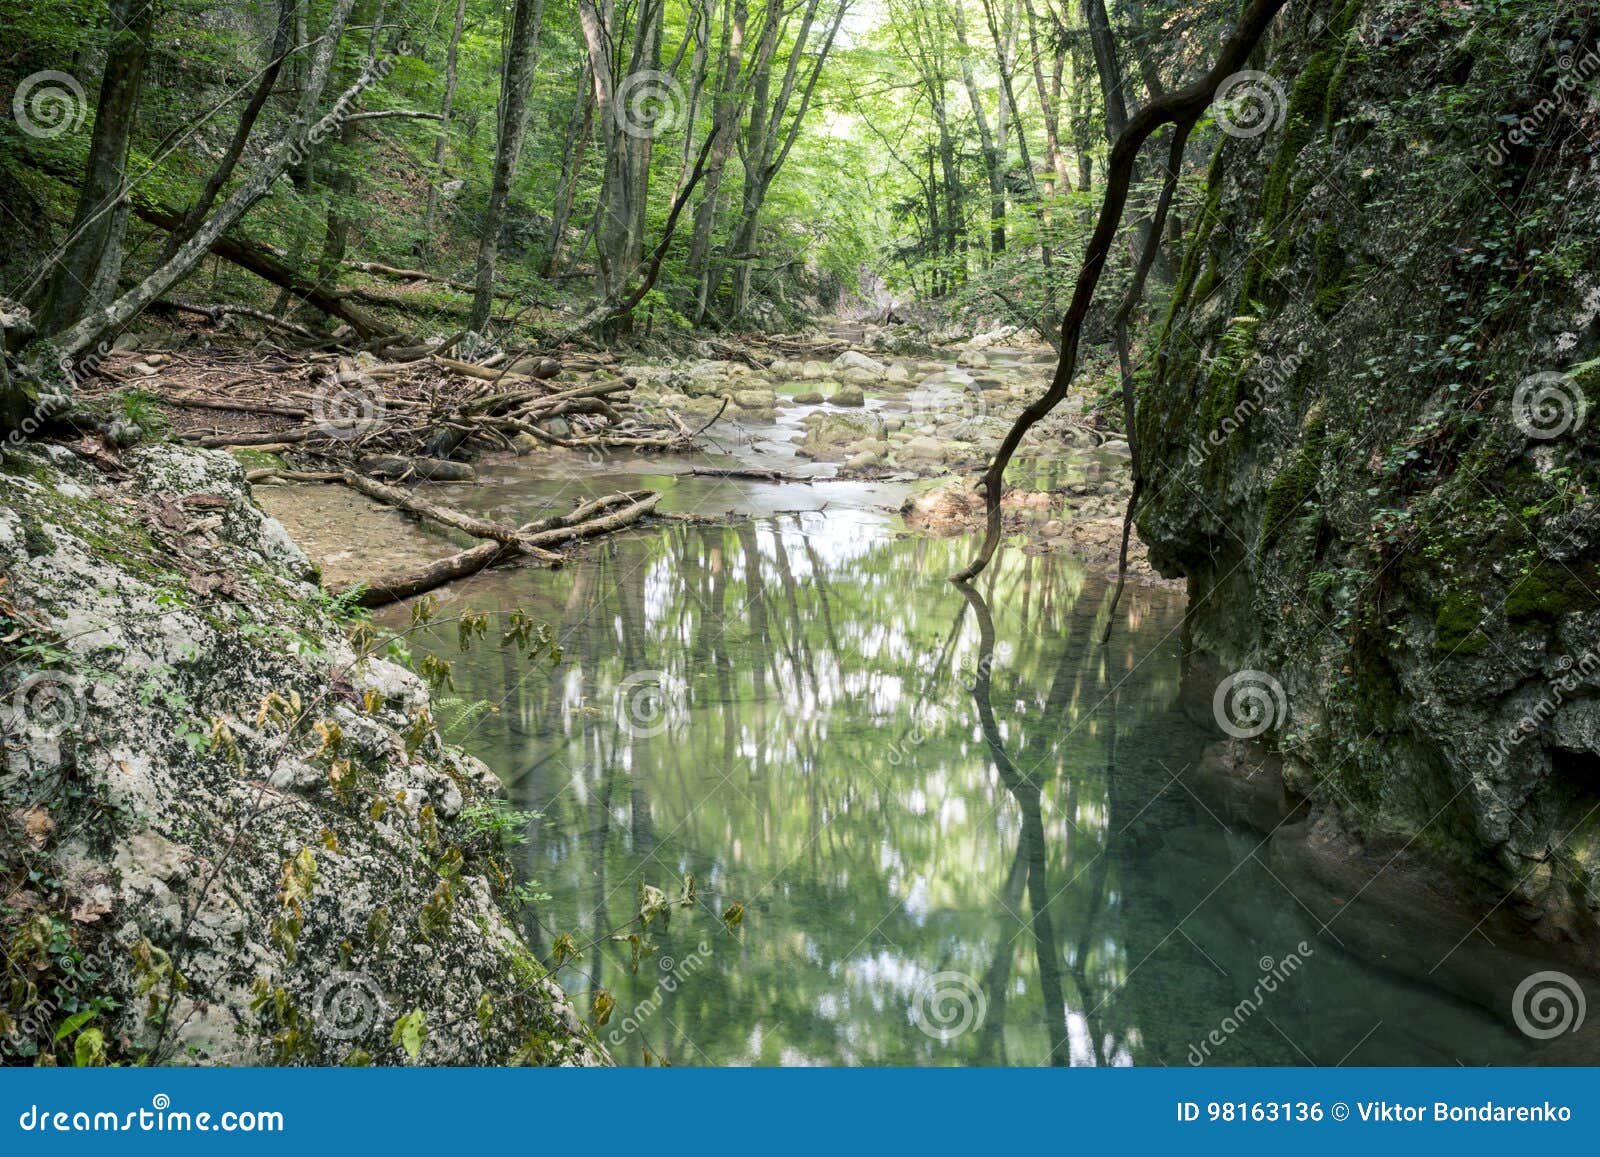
x: 855, y: 360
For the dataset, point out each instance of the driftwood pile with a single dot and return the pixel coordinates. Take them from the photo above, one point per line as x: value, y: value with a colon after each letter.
x: 433, y: 409
x: 339, y: 420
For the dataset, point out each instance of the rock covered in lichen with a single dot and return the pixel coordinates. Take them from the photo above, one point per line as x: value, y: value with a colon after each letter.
x: 244, y: 831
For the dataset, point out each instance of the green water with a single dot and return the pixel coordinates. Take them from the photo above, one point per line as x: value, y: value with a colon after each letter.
x: 953, y: 821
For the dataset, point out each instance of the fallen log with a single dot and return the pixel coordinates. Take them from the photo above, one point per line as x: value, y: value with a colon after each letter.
x: 394, y: 587
x: 191, y: 402
x: 247, y: 254
x: 379, y: 269
x: 427, y: 469
x: 259, y: 438
x: 443, y: 515
x: 215, y: 313
x: 748, y: 474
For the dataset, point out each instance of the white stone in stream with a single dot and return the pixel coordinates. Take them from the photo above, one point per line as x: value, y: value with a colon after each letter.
x: 1115, y: 446
x: 855, y: 360
x: 899, y: 372
x: 992, y: 338
x: 763, y: 401
x: 848, y: 396
x: 813, y: 371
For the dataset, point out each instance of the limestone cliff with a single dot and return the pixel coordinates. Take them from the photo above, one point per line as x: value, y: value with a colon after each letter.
x: 1369, y: 440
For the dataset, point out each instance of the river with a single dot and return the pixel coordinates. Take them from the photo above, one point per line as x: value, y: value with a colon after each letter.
x: 955, y: 825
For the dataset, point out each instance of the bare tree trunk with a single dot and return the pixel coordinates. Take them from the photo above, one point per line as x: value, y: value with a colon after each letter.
x: 87, y: 331
x: 521, y: 55
x: 336, y: 233
x: 579, y: 125
x: 994, y: 164
x: 282, y: 41
x: 1181, y: 107
x: 766, y: 150
x: 724, y: 120
x: 91, y: 259
x: 1049, y: 102
x: 442, y: 141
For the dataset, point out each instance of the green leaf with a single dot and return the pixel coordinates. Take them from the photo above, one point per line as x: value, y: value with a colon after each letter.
x: 74, y: 1022
x: 90, y: 1049
x: 410, y: 1031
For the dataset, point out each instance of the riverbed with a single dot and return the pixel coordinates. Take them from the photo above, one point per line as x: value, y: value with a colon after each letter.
x: 894, y: 821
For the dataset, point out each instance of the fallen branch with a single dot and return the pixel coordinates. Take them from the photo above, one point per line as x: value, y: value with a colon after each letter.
x: 395, y: 587
x: 444, y: 516
x: 1130, y: 302
x: 751, y: 475
x: 215, y: 313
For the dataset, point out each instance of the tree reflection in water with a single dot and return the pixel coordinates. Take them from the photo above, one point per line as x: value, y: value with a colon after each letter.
x: 900, y: 780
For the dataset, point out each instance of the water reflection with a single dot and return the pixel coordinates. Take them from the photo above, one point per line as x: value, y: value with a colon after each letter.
x: 902, y: 781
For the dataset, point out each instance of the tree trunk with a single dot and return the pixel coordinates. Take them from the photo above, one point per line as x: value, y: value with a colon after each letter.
x: 993, y: 152
x: 517, y: 82
x: 579, y: 125
x: 725, y: 120
x: 442, y: 141
x: 1049, y: 102
x: 87, y: 331
x: 91, y: 259
x: 282, y: 42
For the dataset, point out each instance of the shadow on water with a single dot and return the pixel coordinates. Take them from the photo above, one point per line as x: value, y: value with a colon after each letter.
x: 956, y: 824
